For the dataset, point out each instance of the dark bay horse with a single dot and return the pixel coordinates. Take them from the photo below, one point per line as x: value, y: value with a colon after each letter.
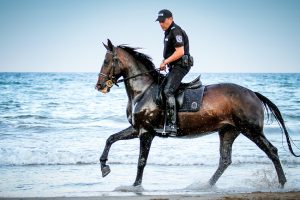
x: 228, y: 109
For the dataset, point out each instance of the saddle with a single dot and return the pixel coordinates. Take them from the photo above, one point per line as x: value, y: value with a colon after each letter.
x: 188, y: 96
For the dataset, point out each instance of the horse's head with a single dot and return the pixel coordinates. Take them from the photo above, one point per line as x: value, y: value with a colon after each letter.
x: 110, y: 70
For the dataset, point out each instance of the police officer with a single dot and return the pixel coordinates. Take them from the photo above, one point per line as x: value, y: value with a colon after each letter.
x: 177, y: 59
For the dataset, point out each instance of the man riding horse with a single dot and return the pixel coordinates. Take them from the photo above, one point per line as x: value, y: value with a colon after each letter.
x: 177, y: 58
x: 226, y: 108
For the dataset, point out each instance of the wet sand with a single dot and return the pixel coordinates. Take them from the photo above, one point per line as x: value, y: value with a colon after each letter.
x: 240, y: 196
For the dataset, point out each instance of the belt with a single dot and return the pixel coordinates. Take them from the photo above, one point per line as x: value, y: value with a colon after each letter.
x: 179, y: 61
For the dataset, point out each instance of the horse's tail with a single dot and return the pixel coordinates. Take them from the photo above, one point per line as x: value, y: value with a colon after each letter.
x: 270, y: 106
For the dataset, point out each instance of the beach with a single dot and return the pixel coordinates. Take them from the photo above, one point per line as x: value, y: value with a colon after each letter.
x: 239, y: 196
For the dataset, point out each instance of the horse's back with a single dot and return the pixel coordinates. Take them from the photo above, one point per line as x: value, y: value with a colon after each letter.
x: 232, y: 102
x: 230, y: 92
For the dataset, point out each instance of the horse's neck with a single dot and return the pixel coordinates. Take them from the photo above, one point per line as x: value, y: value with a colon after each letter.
x: 138, y: 85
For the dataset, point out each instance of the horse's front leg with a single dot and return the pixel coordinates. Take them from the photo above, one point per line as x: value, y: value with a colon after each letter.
x: 145, y: 144
x: 126, y: 134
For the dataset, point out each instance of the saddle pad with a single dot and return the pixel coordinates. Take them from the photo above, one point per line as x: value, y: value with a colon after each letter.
x: 192, y: 100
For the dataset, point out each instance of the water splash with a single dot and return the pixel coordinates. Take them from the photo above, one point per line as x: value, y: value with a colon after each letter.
x: 201, y: 186
x: 265, y: 180
x: 135, y: 189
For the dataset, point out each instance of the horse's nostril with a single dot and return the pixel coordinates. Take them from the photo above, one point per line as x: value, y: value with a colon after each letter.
x: 102, y: 85
x: 97, y: 86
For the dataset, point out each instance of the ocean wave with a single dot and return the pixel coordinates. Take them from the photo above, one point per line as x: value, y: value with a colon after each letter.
x: 47, y: 164
x: 38, y: 127
x: 11, y: 83
x: 28, y: 116
x: 288, y: 163
x: 33, y: 157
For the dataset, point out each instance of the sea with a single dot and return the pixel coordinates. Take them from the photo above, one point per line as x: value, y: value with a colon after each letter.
x: 54, y: 126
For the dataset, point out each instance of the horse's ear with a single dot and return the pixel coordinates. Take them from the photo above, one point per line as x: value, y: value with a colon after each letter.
x: 110, y: 45
x: 106, y: 47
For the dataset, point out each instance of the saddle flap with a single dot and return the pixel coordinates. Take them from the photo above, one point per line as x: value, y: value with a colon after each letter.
x: 190, y: 99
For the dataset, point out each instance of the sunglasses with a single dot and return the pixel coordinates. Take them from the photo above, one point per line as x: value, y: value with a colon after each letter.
x: 162, y: 21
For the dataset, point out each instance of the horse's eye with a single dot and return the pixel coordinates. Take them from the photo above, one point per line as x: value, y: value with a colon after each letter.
x: 106, y: 62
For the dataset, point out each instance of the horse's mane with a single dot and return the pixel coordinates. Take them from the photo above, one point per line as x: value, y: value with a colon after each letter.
x: 144, y: 59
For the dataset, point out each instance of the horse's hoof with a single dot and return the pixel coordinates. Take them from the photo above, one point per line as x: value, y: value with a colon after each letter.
x: 105, y: 170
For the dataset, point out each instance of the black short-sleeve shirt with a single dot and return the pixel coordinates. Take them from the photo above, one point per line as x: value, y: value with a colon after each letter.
x: 175, y: 37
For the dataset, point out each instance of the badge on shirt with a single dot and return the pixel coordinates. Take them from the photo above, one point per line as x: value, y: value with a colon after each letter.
x: 179, y: 38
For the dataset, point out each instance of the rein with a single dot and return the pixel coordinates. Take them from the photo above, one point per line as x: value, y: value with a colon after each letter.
x: 134, y: 76
x: 112, y: 80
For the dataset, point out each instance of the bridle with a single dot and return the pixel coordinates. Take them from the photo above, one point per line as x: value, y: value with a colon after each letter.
x: 110, y: 81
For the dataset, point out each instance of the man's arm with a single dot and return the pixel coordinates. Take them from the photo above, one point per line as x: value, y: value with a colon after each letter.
x: 179, y: 52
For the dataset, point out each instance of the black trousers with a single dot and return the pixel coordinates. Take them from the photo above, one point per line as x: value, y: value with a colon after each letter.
x: 173, y: 79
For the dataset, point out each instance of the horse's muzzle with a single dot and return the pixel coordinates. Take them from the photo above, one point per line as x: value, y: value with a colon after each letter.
x: 103, y: 87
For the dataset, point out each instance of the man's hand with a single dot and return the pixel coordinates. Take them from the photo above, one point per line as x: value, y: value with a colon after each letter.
x: 162, y: 66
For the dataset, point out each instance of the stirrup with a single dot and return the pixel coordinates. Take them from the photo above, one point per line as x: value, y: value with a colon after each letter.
x: 171, y: 130
x: 165, y: 132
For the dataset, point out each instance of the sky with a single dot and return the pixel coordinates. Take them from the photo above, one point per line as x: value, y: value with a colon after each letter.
x: 225, y: 36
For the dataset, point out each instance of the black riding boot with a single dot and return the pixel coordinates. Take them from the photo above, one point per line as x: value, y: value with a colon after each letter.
x: 171, y: 115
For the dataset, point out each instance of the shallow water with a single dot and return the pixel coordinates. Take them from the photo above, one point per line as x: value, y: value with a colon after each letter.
x: 53, y: 128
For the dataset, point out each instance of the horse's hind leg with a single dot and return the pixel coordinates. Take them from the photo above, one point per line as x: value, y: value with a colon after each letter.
x: 126, y: 134
x: 227, y: 137
x: 263, y: 143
